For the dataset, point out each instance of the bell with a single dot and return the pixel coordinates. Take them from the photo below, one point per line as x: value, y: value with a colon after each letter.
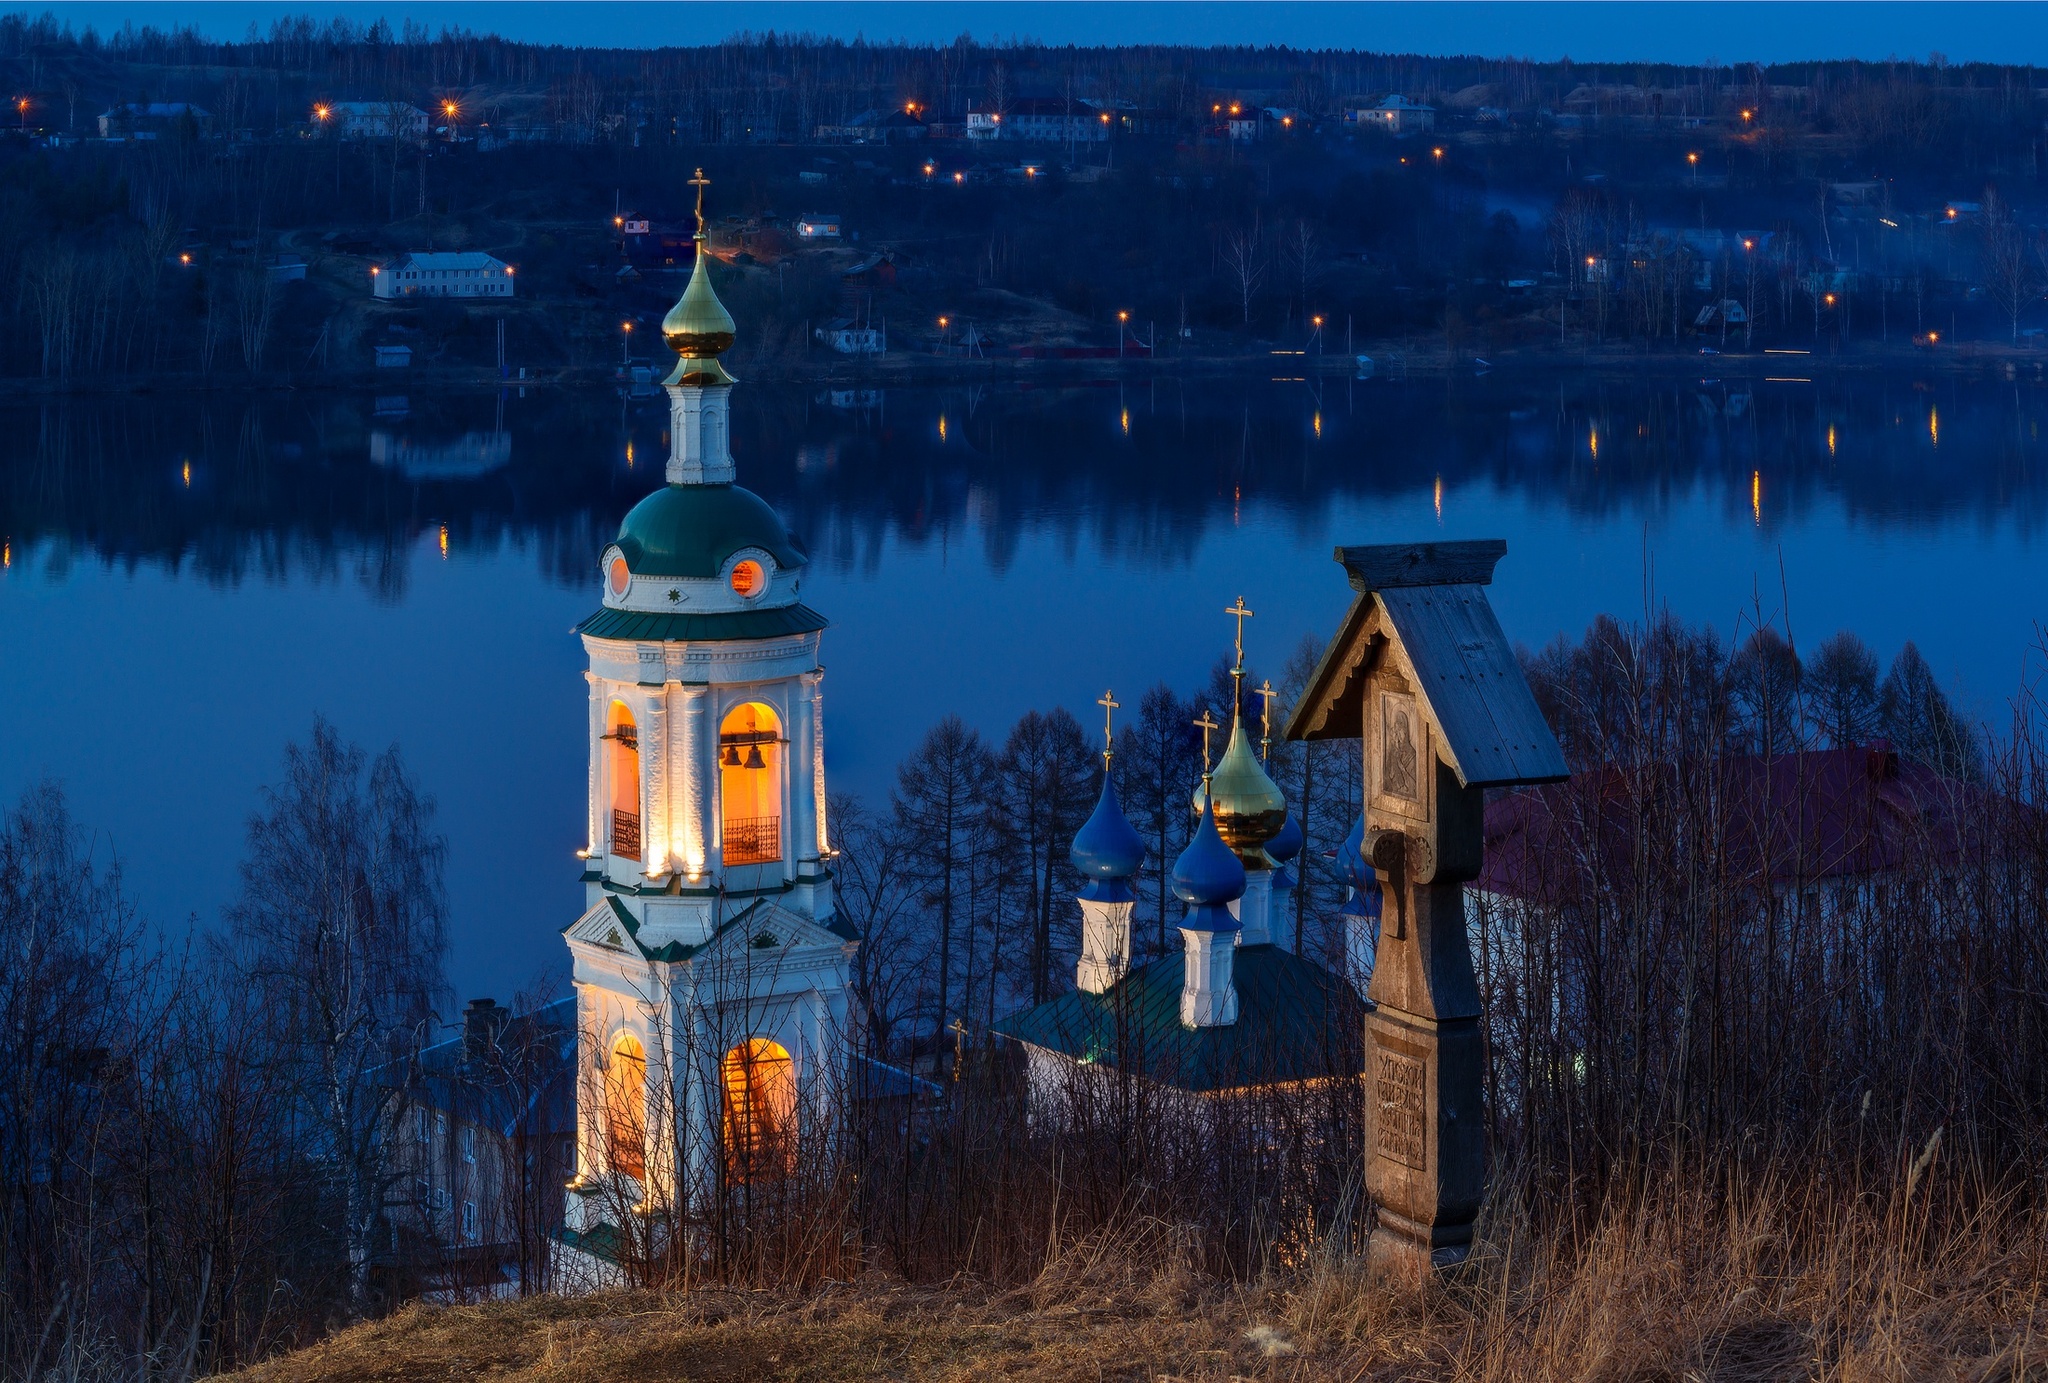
x: 732, y: 756
x: 754, y: 757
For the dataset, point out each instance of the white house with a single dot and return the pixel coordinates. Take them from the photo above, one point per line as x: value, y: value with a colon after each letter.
x: 843, y: 335
x: 379, y: 119
x: 712, y: 968
x: 437, y: 274
x: 1399, y: 115
x: 817, y: 225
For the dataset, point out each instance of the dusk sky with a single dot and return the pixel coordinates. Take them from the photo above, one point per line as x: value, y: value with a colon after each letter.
x: 1667, y: 31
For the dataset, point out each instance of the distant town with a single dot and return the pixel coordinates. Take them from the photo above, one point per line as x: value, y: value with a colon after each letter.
x: 323, y: 202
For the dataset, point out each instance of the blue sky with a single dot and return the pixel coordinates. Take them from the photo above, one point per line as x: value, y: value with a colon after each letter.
x: 1588, y: 30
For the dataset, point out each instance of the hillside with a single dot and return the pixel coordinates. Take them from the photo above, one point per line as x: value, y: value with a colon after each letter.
x: 1738, y: 1280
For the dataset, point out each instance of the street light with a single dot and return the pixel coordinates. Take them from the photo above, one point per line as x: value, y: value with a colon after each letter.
x: 625, y: 344
x: 1694, y: 160
x: 22, y: 106
x: 1122, y: 320
x: 1438, y: 154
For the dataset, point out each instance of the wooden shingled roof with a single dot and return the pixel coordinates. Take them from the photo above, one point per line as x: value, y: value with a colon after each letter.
x: 1429, y: 601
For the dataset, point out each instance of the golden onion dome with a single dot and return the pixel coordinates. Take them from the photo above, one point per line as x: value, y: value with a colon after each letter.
x: 1249, y: 807
x: 698, y: 327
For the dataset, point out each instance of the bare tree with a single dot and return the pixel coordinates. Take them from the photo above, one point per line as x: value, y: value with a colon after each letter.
x: 941, y: 793
x: 2005, y: 260
x: 1244, y: 259
x: 341, y: 928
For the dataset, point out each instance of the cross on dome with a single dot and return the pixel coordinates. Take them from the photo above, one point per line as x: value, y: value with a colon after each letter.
x: 1208, y: 724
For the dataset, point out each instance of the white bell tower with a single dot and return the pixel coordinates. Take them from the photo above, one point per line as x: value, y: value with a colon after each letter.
x: 712, y: 971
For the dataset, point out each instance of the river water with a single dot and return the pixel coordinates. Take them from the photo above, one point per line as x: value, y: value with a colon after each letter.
x: 185, y: 582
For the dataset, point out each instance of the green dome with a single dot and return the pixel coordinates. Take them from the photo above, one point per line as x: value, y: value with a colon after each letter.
x: 690, y: 530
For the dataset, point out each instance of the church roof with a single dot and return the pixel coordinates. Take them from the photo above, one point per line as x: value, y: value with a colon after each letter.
x: 610, y: 623
x: 690, y: 530
x: 677, y: 951
x: 1295, y: 1021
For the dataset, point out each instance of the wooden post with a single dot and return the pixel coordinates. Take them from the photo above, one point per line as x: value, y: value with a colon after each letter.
x: 1421, y: 674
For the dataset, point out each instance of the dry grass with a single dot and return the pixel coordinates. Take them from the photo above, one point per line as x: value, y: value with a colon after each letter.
x: 1700, y: 1284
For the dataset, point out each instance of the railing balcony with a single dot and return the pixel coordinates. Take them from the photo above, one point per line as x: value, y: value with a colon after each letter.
x: 753, y: 840
x: 626, y: 835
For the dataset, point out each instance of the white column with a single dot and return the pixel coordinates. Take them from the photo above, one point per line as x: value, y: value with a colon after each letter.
x: 699, y: 437
x: 654, y: 772
x: 692, y: 810
x: 1254, y: 911
x: 1105, y: 944
x: 801, y: 787
x: 600, y: 843
x: 822, y: 842
x: 1208, y: 995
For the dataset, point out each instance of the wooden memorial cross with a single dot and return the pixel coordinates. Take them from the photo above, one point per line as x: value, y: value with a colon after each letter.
x: 1422, y: 676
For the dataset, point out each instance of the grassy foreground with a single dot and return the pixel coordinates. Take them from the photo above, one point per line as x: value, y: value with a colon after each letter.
x: 1700, y: 1284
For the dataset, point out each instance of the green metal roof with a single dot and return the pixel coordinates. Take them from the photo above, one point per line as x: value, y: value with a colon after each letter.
x: 689, y: 530
x: 1295, y: 1021
x: 677, y: 951
x: 733, y: 624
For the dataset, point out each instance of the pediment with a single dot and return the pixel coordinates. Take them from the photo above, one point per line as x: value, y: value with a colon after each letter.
x: 605, y: 925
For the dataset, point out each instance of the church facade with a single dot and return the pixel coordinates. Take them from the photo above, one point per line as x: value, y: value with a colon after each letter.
x: 712, y: 971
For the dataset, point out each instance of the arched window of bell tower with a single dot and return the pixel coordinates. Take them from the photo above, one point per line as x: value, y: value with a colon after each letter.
x: 750, y: 785
x: 622, y: 752
x: 625, y: 1106
x: 759, y: 1087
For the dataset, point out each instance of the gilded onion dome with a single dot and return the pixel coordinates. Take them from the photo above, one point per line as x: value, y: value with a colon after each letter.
x: 698, y: 328
x: 1249, y: 807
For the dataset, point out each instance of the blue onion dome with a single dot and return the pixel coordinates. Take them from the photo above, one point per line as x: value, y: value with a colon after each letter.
x: 1365, y: 884
x: 1107, y: 849
x: 1249, y: 807
x: 690, y: 531
x: 1287, y: 842
x: 1207, y: 877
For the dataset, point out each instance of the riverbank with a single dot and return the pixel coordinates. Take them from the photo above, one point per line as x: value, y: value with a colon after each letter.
x: 1390, y: 360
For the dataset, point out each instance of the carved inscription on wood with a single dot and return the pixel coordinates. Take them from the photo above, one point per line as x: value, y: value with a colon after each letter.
x: 1397, y: 1085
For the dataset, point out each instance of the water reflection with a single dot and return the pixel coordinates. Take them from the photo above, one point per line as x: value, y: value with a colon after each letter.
x: 330, y: 487
x: 222, y: 568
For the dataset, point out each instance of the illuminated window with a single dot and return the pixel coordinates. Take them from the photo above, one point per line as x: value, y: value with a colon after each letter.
x: 750, y: 785
x: 620, y: 577
x: 748, y: 578
x: 622, y: 748
x: 625, y: 1106
x: 760, y: 1110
